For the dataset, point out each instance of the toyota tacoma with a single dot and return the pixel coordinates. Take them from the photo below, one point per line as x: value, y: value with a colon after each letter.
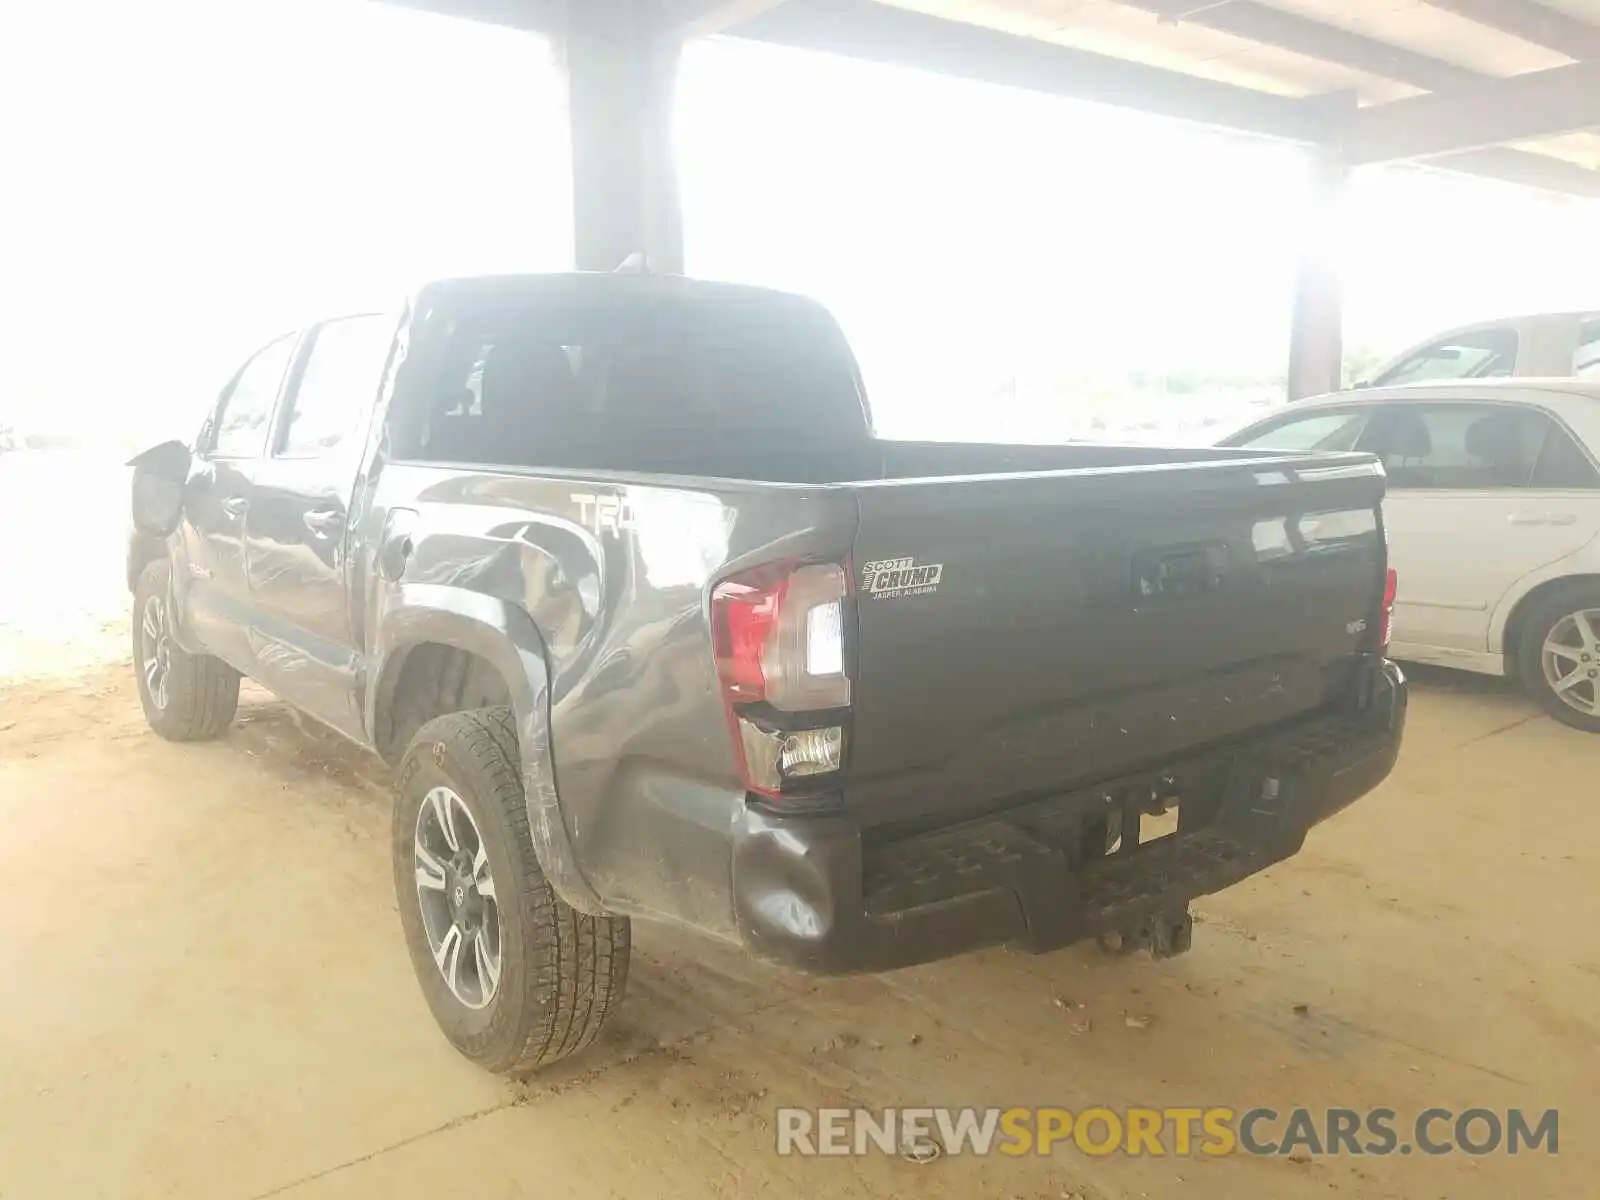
x: 614, y: 572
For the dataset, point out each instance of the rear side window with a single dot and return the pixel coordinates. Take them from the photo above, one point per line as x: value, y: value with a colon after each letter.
x: 241, y: 423
x: 1563, y: 464
x: 337, y: 385
x: 1323, y: 430
x: 1444, y: 446
x: 1479, y: 354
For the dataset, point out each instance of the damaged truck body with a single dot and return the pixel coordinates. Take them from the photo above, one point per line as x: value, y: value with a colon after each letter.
x: 616, y: 575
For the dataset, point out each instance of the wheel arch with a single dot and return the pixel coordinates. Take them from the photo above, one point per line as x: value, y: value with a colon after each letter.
x: 426, y: 679
x: 143, y: 549
x: 1511, y: 632
x: 465, y: 649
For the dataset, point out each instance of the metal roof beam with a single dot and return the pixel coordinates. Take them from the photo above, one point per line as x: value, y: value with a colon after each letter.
x: 532, y: 16
x: 880, y: 33
x: 1510, y: 165
x: 1268, y: 26
x: 702, y: 18
x: 1532, y: 22
x: 1534, y: 105
x: 1452, y: 132
x: 689, y: 18
x: 900, y: 37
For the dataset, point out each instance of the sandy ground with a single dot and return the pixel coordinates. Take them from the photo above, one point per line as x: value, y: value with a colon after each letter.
x: 203, y: 991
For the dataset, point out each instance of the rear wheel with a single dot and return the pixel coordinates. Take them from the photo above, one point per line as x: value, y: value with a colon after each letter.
x: 516, y: 978
x: 1559, y: 656
x: 186, y: 697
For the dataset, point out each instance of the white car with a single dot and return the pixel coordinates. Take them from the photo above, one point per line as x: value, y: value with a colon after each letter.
x: 1545, y: 344
x: 1492, y: 513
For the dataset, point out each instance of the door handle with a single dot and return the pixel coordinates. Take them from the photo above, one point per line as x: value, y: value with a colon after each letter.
x: 234, y: 506
x: 323, y: 521
x: 1543, y: 518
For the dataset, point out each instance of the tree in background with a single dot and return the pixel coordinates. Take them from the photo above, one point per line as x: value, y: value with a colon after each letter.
x: 1361, y: 363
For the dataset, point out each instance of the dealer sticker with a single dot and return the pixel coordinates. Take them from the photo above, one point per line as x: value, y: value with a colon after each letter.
x: 890, y: 577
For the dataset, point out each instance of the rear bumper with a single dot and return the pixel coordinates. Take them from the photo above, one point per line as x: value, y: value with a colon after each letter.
x: 811, y: 893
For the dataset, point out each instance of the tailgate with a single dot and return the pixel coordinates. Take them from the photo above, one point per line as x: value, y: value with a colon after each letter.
x: 1017, y: 635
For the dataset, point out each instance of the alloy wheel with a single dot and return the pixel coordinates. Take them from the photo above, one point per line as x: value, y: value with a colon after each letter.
x: 156, y: 647
x: 456, y: 893
x: 1571, y: 661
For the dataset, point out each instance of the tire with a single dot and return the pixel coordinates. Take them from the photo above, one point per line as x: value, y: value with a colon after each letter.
x: 186, y: 697
x: 1570, y: 617
x: 560, y: 973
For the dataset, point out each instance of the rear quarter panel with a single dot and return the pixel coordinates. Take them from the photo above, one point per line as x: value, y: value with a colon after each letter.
x: 614, y: 575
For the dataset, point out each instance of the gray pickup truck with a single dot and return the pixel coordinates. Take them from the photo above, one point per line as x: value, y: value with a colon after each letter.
x: 614, y: 572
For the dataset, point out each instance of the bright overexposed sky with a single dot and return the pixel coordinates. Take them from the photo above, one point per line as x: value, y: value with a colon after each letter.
x: 184, y: 178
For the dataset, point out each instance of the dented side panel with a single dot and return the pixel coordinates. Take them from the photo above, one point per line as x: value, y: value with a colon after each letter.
x: 600, y: 586
x: 409, y: 615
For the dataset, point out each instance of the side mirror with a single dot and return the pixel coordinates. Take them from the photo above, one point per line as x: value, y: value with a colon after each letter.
x: 159, y: 476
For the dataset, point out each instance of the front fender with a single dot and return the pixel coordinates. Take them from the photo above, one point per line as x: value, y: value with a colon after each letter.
x: 504, y: 636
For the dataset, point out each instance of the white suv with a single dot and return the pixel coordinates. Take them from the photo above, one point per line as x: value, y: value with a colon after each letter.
x: 1492, y: 513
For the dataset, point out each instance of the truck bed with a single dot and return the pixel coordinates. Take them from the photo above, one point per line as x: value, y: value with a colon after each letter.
x: 880, y: 460
x: 1040, y: 618
x: 1056, y: 645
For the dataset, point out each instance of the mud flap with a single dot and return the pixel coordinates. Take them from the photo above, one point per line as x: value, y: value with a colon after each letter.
x: 159, y: 475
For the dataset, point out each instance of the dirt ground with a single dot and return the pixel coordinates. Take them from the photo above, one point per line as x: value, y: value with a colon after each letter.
x: 203, y: 991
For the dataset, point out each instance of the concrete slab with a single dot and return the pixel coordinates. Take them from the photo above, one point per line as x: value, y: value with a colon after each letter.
x: 203, y: 993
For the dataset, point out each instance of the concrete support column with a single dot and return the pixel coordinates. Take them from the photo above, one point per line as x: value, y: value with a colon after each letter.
x: 1316, y: 337
x: 621, y: 67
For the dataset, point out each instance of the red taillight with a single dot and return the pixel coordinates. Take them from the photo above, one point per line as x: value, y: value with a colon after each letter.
x: 1391, y: 585
x: 778, y: 635
x: 745, y: 615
